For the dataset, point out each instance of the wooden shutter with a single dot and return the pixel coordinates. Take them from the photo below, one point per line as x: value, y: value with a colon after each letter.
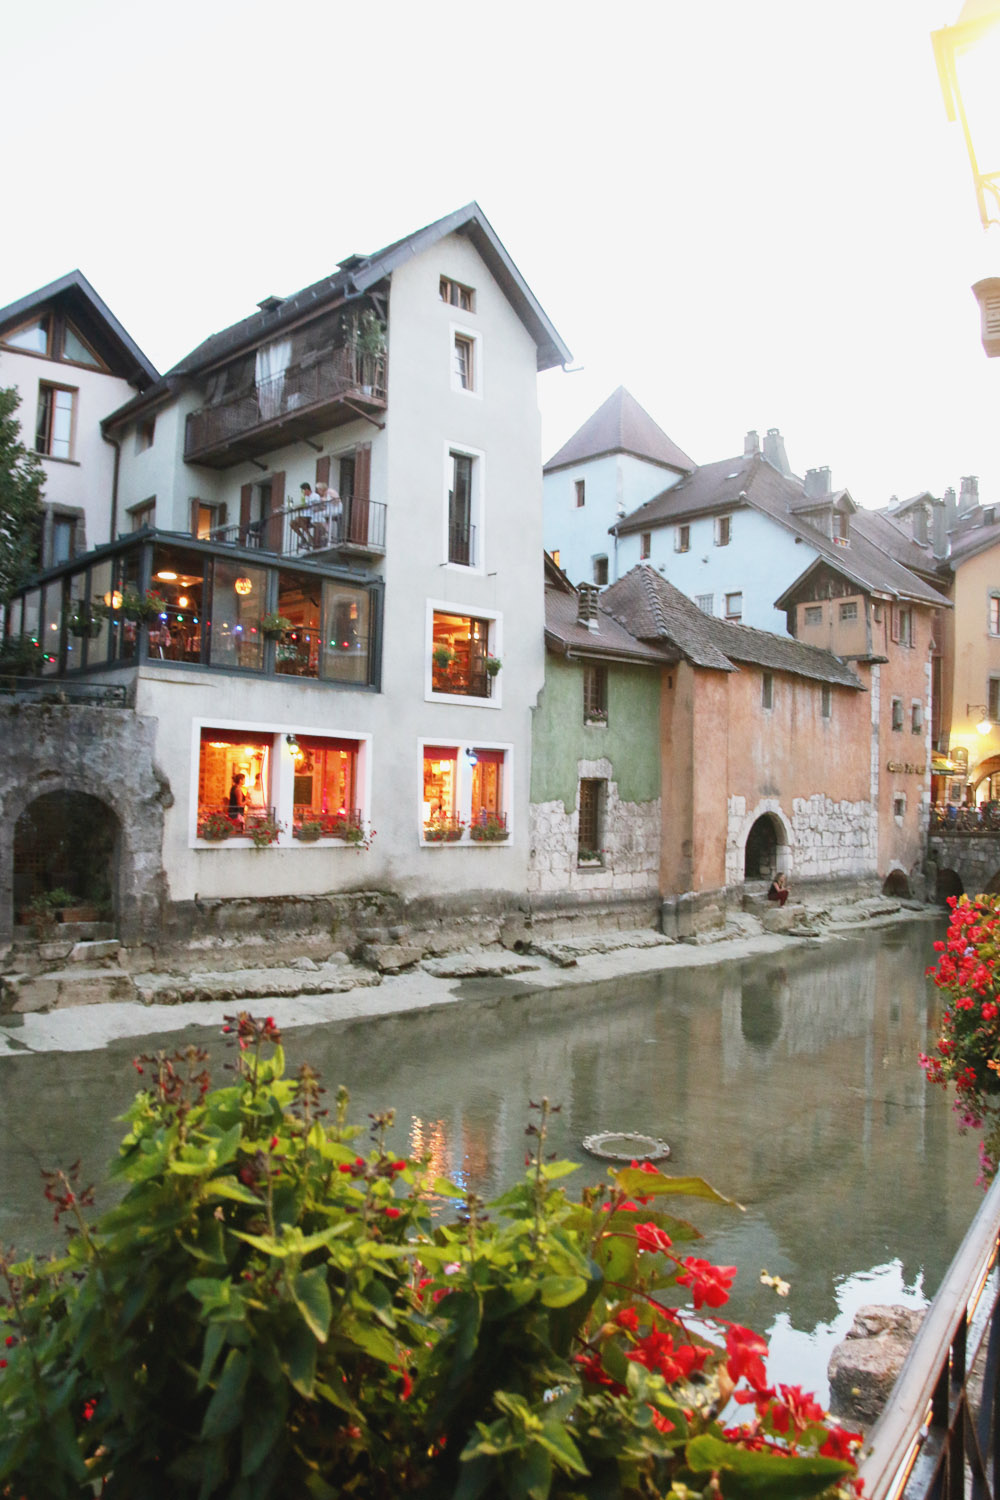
x: 323, y: 469
x: 357, y: 519
x: 195, y: 514
x: 246, y: 497
x: 894, y: 626
x: 274, y: 521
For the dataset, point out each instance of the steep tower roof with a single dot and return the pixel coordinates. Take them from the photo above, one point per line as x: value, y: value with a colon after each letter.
x: 621, y: 425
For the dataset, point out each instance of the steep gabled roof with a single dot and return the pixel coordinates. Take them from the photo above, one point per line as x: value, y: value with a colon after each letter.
x: 359, y: 273
x: 977, y: 539
x: 653, y: 609
x: 74, y: 295
x: 611, y: 641
x: 621, y: 425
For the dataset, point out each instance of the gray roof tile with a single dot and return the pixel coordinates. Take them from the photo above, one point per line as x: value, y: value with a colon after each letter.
x: 621, y: 425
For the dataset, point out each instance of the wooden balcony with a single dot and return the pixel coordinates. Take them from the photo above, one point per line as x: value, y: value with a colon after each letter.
x: 336, y: 388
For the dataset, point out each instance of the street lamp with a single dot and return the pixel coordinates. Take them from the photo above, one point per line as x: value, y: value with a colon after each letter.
x: 985, y: 725
x: 968, y: 63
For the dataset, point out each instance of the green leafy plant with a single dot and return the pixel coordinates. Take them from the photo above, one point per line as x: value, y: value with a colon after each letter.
x: 443, y: 657
x: 590, y: 856
x: 489, y: 829
x: 309, y: 830
x: 271, y: 1311
x: 83, y: 620
x: 263, y: 830
x: 274, y: 625
x: 492, y: 665
x: 442, y: 830
x: 136, y: 606
x: 349, y: 826
x: 20, y: 656
x: 216, y: 825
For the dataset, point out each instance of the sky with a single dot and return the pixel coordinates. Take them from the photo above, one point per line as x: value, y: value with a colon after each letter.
x: 751, y: 213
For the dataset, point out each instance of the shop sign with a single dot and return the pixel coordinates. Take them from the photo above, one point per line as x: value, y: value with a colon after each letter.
x: 906, y: 768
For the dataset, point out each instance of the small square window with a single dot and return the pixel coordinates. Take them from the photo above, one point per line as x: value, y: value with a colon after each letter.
x: 581, y: 497
x: 595, y: 694
x: 723, y: 531
x: 682, y: 539
x: 734, y: 608
x: 144, y: 434
x: 849, y: 611
x: 826, y: 701
x: 706, y: 603
x: 813, y: 614
x: 897, y: 713
x: 767, y: 690
x: 645, y: 545
x: 457, y: 295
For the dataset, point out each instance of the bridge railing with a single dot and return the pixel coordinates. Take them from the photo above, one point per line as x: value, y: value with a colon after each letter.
x: 937, y: 1434
x: 966, y: 820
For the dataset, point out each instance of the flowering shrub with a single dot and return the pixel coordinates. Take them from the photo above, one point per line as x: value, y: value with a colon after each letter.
x: 442, y: 830
x: 967, y: 1052
x: 264, y: 831
x: 271, y: 1312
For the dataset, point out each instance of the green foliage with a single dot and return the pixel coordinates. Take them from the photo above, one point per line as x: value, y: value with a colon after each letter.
x: 21, y: 480
x: 268, y: 1312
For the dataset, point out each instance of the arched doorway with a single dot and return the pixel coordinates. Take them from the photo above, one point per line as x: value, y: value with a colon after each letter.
x: 760, y: 855
x: 67, y: 842
x: 948, y: 884
x: 896, y: 884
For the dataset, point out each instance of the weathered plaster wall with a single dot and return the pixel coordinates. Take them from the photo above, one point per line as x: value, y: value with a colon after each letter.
x: 107, y: 753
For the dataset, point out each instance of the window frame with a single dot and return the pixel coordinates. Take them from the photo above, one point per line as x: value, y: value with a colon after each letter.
x: 816, y: 611
x: 595, y: 694
x: 682, y: 537
x: 600, y: 569
x: 723, y: 530
x: 596, y: 811
x: 767, y: 692
x: 580, y: 491
x: 896, y: 715
x: 477, y: 485
x: 145, y: 434
x: 645, y: 545
x: 493, y: 619
x: 469, y: 340
x: 826, y: 701
x: 734, y: 616
x: 465, y: 776
x: 847, y: 611
x: 993, y: 699
x: 144, y: 512
x: 916, y: 716
x: 993, y: 613
x: 52, y: 387
x: 701, y: 600
x: 456, y: 294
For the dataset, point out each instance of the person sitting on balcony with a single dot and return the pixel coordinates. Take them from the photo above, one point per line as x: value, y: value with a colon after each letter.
x: 302, y: 523
x: 321, y: 515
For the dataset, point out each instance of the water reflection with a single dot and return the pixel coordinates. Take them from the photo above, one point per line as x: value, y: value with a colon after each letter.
x: 792, y: 1084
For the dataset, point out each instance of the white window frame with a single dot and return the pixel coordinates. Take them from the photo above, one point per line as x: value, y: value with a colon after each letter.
x: 73, y: 391
x: 494, y: 646
x: 282, y: 796
x: 476, y: 507
x: 463, y: 797
x: 808, y: 624
x: 993, y: 613
x: 682, y: 537
x: 733, y: 616
x: 706, y: 603
x: 471, y: 337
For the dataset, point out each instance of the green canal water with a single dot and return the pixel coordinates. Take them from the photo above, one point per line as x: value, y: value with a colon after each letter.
x: 791, y: 1083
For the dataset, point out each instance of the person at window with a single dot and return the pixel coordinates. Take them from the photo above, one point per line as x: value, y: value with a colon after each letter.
x: 778, y: 890
x: 237, y: 798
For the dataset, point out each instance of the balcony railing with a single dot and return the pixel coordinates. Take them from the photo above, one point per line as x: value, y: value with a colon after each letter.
x: 937, y: 1434
x: 462, y: 545
x: 335, y: 388
x: 349, y: 526
x: 966, y: 820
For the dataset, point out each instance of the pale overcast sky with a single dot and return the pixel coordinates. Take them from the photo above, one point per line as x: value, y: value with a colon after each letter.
x: 752, y: 213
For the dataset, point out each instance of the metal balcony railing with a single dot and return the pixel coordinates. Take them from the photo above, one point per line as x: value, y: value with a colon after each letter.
x: 984, y: 819
x: 937, y: 1435
x: 351, y: 525
x: 462, y: 545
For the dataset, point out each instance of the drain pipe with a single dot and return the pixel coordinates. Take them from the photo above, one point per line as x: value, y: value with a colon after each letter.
x: 116, y: 445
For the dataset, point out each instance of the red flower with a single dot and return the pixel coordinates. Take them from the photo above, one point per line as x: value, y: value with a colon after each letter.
x: 651, y: 1237
x: 840, y: 1443
x: 746, y: 1351
x: 627, y: 1317
x: 392, y: 1213
x: 657, y: 1352
x: 708, y: 1283
x: 798, y: 1409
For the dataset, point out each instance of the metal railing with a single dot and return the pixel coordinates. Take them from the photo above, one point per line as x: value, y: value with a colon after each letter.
x: 320, y: 526
x: 90, y: 694
x: 339, y: 373
x: 985, y: 819
x: 462, y: 545
x: 937, y: 1434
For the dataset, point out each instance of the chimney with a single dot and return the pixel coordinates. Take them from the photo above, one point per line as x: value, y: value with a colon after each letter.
x: 918, y: 523
x: 817, y: 483
x: 939, y: 528
x: 751, y: 443
x: 774, y: 451
x: 950, y: 510
x: 270, y: 304
x: 586, y: 608
x: 968, y: 494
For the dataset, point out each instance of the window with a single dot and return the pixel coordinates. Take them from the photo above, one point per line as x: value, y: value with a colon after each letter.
x: 899, y: 806
x: 902, y: 625
x: 555, y: 556
x: 600, y: 571
x: 994, y: 614
x: 767, y: 690
x: 706, y: 603
x: 723, y: 530
x: 645, y: 544
x: 464, y: 367
x: 54, y: 426
x: 457, y: 295
x: 206, y: 519
x: 826, y: 701
x: 813, y: 614
x: 141, y: 515
x: 734, y: 608
x: 63, y: 539
x: 33, y: 336
x: 466, y: 791
x: 144, y: 434
x: 302, y: 779
x: 463, y: 505
x: 464, y: 655
x: 589, y: 827
x: 849, y: 611
x: 581, y: 488
x: 682, y: 538
x: 993, y: 699
x: 234, y: 778
x: 841, y: 527
x: 595, y: 694
x: 54, y: 337
x: 325, y: 786
x: 897, y: 713
x: 916, y: 717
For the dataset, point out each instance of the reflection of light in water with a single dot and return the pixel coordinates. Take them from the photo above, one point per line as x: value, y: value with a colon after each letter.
x: 431, y: 1139
x: 808, y: 1351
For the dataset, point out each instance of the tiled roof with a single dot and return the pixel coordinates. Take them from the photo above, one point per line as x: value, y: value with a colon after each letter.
x: 977, y: 539
x: 74, y: 290
x: 621, y: 425
x: 653, y: 609
x: 610, y: 641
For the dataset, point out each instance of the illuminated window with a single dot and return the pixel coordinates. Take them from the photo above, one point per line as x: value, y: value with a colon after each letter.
x: 325, y: 786
x: 461, y: 655
x: 465, y: 791
x: 234, y: 778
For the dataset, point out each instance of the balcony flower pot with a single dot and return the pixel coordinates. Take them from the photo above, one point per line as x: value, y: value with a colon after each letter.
x: 443, y: 831
x: 147, y: 606
x: 493, y: 665
x: 274, y: 626
x: 308, y: 833
x: 263, y: 831
x: 490, y: 831
x: 443, y: 656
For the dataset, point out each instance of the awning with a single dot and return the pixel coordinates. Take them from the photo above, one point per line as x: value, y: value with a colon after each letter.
x: 942, y: 766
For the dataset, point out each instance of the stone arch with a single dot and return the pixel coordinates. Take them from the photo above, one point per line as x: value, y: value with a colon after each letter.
x: 949, y: 883
x: 897, y: 883
x: 766, y: 845
x: 67, y: 840
x: 992, y: 887
x: 983, y: 771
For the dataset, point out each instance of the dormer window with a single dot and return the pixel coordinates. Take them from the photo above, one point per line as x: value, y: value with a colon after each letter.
x: 841, y: 527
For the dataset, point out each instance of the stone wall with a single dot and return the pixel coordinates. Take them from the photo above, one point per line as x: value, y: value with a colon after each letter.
x: 630, y: 841
x: 821, y: 839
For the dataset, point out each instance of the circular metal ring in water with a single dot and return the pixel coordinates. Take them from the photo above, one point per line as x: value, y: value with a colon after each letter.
x: 625, y: 1146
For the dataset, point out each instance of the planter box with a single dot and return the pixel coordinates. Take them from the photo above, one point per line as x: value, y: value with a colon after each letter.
x: 78, y: 914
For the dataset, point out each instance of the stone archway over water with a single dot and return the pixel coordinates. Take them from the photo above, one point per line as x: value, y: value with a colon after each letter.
x: 896, y: 884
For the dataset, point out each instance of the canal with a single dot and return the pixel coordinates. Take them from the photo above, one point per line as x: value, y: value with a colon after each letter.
x: 791, y: 1083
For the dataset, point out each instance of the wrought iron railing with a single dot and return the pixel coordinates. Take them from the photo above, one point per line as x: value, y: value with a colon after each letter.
x: 339, y: 373
x: 462, y: 545
x: 937, y: 1434
x: 320, y: 526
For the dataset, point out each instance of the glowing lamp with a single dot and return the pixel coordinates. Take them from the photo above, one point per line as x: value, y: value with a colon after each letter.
x: 985, y: 724
x: 167, y: 577
x: 113, y: 600
x: 292, y: 742
x: 243, y: 586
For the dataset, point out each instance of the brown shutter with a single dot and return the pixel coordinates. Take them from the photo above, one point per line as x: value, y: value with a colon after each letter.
x: 323, y: 469
x: 195, y: 514
x: 246, y: 495
x: 894, y: 630
x: 357, y: 519
x: 274, y: 521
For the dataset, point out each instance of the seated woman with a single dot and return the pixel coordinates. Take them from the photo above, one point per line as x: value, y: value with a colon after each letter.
x: 778, y: 890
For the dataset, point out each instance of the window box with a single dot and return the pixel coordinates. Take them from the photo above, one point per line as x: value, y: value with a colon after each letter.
x: 308, y: 833
x: 216, y: 826
x: 443, y: 831
x: 491, y: 829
